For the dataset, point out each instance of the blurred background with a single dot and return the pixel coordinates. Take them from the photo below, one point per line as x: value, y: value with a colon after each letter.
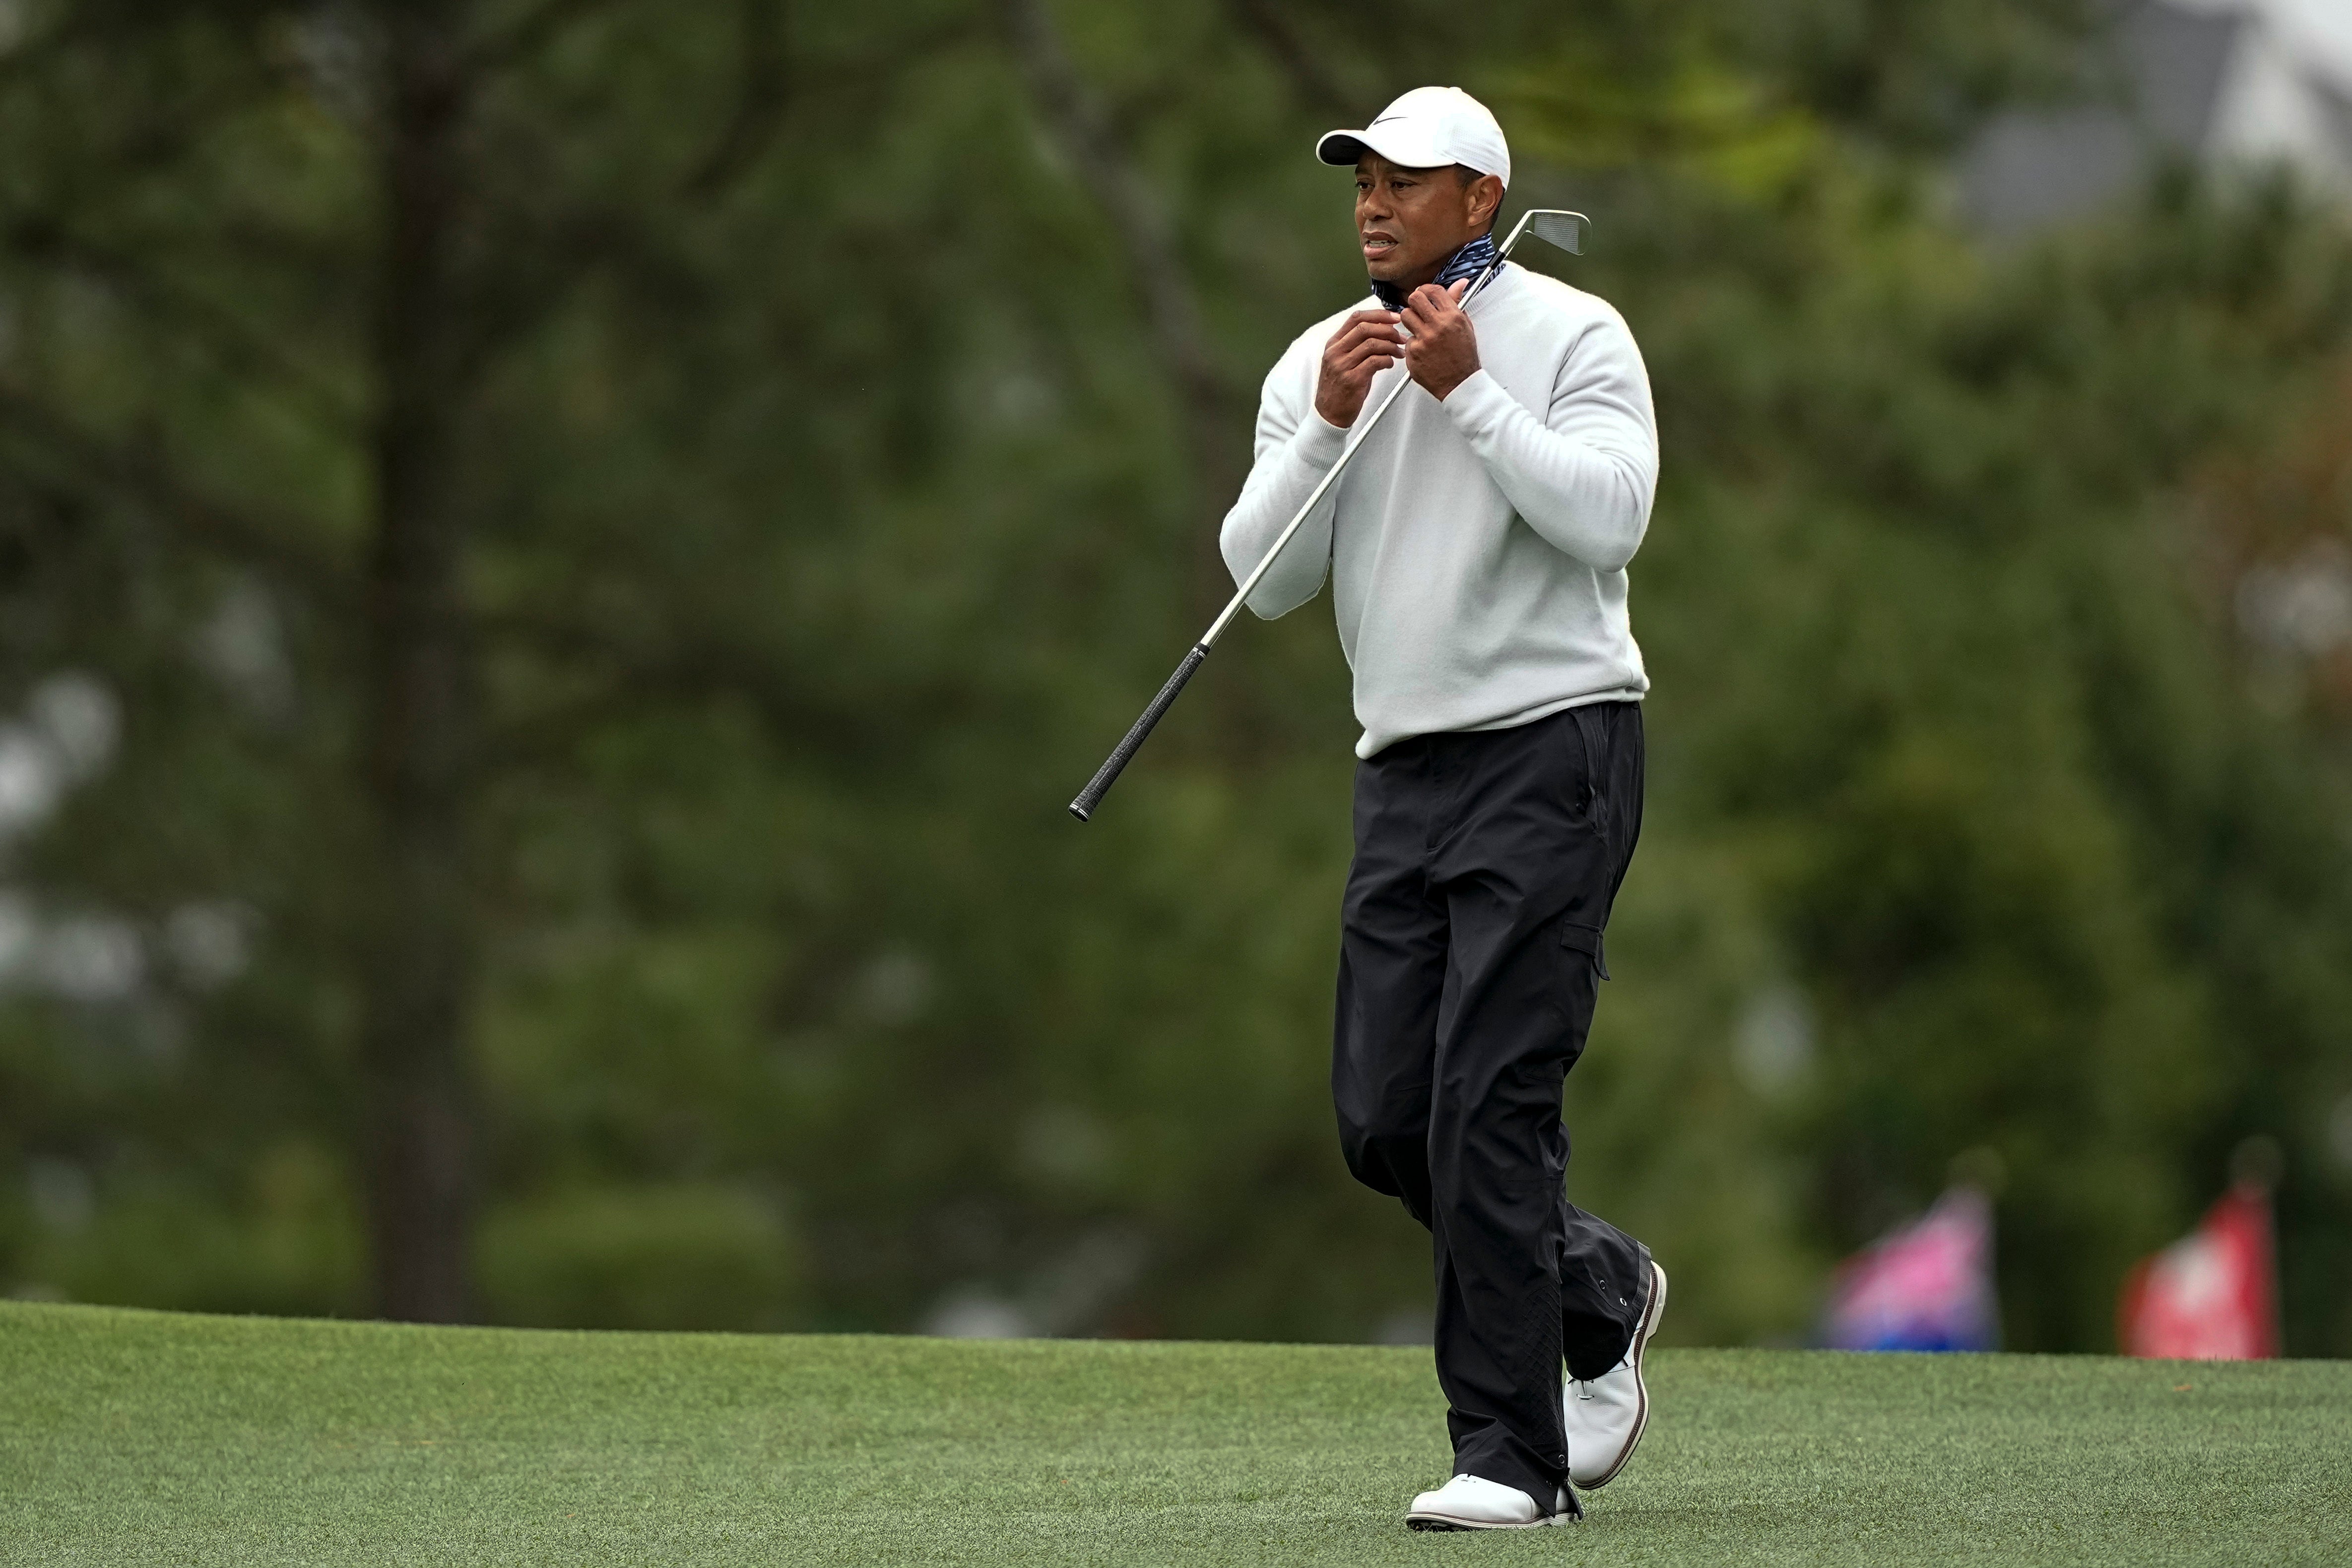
x: 559, y: 559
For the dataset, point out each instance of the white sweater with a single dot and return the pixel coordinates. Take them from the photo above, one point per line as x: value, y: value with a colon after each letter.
x: 1479, y: 544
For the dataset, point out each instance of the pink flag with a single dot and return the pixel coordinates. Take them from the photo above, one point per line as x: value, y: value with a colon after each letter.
x: 2212, y: 1295
x: 1927, y: 1286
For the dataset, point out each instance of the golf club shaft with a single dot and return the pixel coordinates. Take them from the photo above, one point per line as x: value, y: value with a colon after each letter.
x: 1083, y: 808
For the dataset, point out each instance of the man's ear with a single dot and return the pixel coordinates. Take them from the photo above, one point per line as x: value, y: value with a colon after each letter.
x: 1485, y: 200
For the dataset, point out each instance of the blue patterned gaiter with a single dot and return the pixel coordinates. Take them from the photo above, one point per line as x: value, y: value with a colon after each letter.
x: 1468, y: 262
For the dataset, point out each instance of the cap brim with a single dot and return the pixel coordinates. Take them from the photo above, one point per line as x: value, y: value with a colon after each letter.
x: 1398, y: 147
x: 1340, y: 147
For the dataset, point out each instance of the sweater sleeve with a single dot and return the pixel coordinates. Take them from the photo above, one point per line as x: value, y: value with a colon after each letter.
x: 1583, y: 475
x: 1296, y: 447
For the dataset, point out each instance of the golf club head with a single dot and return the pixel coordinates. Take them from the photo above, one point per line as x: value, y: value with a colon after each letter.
x: 1556, y: 227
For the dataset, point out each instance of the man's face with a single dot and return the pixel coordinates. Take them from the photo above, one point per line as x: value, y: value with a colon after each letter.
x: 1410, y: 220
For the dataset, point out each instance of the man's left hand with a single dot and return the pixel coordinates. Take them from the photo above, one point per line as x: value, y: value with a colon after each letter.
x: 1443, y: 352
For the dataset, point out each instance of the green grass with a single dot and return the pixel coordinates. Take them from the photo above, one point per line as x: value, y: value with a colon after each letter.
x: 140, y: 1438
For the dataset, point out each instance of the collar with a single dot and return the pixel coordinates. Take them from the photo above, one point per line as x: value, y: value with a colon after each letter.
x: 1468, y: 262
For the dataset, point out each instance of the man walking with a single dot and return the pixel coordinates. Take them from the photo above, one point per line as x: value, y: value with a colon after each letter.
x: 1477, y: 549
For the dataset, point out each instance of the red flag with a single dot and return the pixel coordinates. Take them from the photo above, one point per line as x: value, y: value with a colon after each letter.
x: 2212, y: 1295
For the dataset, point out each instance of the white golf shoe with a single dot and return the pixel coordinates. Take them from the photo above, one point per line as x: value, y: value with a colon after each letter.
x: 1472, y: 1502
x: 1605, y: 1417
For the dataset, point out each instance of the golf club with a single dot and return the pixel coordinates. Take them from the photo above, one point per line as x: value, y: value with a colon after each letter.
x: 1552, y: 226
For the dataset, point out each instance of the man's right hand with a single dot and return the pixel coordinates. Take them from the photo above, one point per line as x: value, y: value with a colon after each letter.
x: 1366, y: 344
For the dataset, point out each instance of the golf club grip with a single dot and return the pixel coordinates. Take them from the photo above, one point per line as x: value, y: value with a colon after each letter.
x: 1083, y: 808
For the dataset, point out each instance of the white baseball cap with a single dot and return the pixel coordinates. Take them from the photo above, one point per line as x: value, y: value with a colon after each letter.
x: 1428, y: 128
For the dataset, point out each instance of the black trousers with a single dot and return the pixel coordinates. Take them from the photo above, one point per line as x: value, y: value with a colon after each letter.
x: 1470, y: 952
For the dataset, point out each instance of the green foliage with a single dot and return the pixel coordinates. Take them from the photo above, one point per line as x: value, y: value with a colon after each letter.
x: 831, y: 502
x: 637, y: 1257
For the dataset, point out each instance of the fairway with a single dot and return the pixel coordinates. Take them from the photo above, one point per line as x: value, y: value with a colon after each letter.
x: 132, y: 1437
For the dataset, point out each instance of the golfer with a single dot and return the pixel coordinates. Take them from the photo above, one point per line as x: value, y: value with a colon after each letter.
x: 1477, y: 547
